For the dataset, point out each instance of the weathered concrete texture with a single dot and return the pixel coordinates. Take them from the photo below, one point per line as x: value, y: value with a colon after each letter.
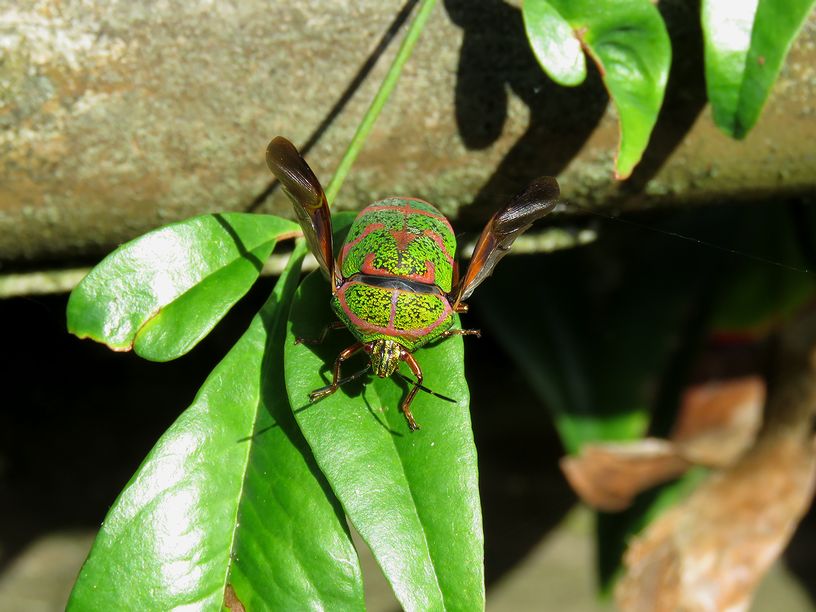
x: 120, y: 116
x: 556, y: 575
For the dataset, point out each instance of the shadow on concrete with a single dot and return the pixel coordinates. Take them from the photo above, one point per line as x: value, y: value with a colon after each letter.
x: 496, y: 60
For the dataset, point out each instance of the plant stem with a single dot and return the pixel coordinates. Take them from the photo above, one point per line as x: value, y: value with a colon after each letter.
x: 386, y: 87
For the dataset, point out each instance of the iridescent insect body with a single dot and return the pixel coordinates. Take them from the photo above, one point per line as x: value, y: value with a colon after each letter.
x: 394, y: 284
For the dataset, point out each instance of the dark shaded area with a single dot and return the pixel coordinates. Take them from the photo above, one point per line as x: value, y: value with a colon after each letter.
x: 79, y: 418
x: 610, y: 334
x: 524, y: 495
x: 800, y: 556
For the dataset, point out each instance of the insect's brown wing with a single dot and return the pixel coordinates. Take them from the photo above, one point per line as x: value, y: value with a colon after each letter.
x: 504, y: 227
x: 309, y: 201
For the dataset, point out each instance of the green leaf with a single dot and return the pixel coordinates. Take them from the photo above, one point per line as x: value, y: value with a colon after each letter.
x: 413, y: 497
x: 229, y: 499
x: 628, y: 41
x: 745, y: 45
x: 161, y: 293
x: 555, y: 46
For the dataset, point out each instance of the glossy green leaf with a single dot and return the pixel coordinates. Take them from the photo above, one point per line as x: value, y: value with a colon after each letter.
x: 746, y: 43
x: 413, y: 497
x: 555, y: 45
x: 229, y: 499
x: 628, y: 41
x: 161, y: 293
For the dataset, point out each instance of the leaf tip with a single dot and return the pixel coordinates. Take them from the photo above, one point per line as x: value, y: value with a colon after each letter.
x: 116, y: 348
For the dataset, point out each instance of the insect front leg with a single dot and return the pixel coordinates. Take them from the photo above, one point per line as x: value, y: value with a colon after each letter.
x: 406, y: 405
x: 461, y: 332
x: 323, y: 334
x: 335, y: 384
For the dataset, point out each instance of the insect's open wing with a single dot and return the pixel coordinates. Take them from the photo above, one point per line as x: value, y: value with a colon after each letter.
x: 504, y: 227
x: 307, y: 196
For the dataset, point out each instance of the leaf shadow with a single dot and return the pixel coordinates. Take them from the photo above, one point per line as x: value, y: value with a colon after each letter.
x: 239, y: 244
x: 380, y: 420
x: 494, y: 61
x: 274, y: 398
x: 685, y: 96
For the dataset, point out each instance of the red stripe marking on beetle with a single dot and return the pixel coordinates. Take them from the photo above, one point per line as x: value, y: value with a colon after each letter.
x: 350, y: 245
x: 428, y: 278
x: 367, y: 266
x: 390, y: 329
x: 438, y: 240
x: 407, y: 210
x: 421, y: 331
x: 403, y: 238
x: 393, y: 317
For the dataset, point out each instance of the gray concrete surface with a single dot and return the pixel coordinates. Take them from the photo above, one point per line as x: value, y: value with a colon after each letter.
x: 556, y: 575
x: 116, y: 117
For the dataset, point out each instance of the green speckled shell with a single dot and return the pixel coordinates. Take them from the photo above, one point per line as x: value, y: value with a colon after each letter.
x: 401, y: 237
x: 412, y: 319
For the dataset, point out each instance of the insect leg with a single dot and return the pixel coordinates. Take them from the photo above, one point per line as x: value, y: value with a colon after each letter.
x: 323, y: 334
x: 335, y: 384
x: 461, y: 332
x: 406, y: 405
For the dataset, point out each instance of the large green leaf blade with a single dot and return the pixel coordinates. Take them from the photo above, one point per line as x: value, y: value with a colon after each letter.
x: 628, y: 41
x: 161, y: 293
x: 745, y: 46
x: 229, y: 498
x: 554, y: 44
x: 413, y: 497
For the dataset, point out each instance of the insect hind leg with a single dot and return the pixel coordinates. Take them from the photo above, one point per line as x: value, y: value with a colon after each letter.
x: 336, y: 380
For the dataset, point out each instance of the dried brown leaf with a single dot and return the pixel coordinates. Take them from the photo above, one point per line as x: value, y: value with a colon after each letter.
x: 608, y: 476
x: 719, y: 420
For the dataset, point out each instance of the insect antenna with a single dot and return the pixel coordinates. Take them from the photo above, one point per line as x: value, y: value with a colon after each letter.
x: 425, y: 389
x: 704, y: 243
x: 354, y: 376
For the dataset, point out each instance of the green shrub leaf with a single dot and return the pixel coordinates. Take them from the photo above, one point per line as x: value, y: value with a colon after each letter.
x: 628, y: 41
x: 413, y: 497
x: 228, y: 501
x: 745, y: 45
x: 161, y: 293
x: 555, y: 45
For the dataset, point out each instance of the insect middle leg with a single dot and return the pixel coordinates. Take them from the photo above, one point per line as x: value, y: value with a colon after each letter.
x: 335, y: 384
x: 461, y: 332
x: 323, y: 334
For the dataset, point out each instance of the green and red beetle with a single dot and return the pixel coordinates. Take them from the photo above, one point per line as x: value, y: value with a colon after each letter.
x: 394, y: 284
